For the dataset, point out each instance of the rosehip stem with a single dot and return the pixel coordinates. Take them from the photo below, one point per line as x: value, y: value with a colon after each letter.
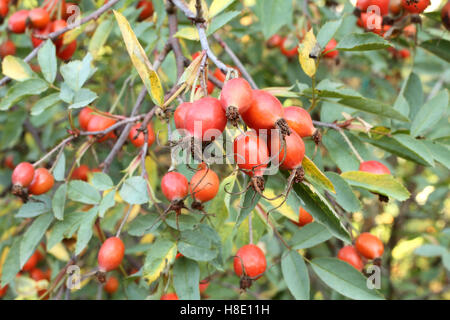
x: 60, y: 145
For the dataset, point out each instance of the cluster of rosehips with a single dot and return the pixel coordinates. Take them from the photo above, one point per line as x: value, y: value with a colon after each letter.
x: 28, y: 181
x: 277, y: 41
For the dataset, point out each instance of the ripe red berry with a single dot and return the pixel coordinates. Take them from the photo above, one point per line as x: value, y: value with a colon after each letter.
x: 371, y: 22
x: 42, y: 182
x: 237, y: 94
x: 169, y: 296
x: 58, y: 25
x: 111, y: 254
x: 415, y: 6
x: 84, y: 117
x: 274, y: 41
x: 251, y: 153
x: 266, y: 112
x: 445, y: 15
x: 404, y: 53
x: 330, y: 46
x: 174, y: 186
x: 351, y: 256
x: 101, y: 123
x: 203, y: 285
x: 111, y: 285
x: 7, y: 48
x: 147, y: 9
x: 180, y: 114
x: 395, y: 7
x: 140, y: 139
x: 23, y: 174
x: 204, y: 184
x: 42, y: 32
x: 31, y: 263
x: 39, y: 18
x: 3, y: 291
x: 219, y: 75
x: 374, y: 167
x: 17, y: 22
x: 80, y: 173
x: 37, y: 274
x: 286, y: 49
x: 251, y: 260
x: 65, y: 52
x: 304, y: 218
x: 369, y: 246
x: 205, y: 119
x: 290, y: 153
x: 383, y: 5
x: 299, y: 120
x: 4, y: 8
x: 8, y: 162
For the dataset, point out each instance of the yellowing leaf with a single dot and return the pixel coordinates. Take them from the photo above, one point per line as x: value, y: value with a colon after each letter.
x: 189, y: 33
x: 134, y: 212
x: 204, y: 8
x: 285, y: 210
x: 314, y: 175
x: 59, y: 252
x: 190, y: 74
x: 140, y: 60
x: 16, y: 68
x: 73, y: 34
x: 308, y: 47
x: 161, y: 253
x: 152, y: 171
x: 147, y: 238
x: 218, y: 6
x: 3, y: 258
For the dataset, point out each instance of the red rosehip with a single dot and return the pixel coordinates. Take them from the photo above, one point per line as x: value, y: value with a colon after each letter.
x: 205, y: 119
x: 174, y: 186
x: 351, y: 256
x: 4, y: 8
x: 374, y: 167
x: 304, y: 218
x: 101, y: 123
x: 140, y: 139
x: 111, y: 285
x: 299, y: 120
x: 7, y: 48
x: 17, y: 22
x: 369, y: 246
x: 204, y: 184
x: 169, y: 296
x: 8, y: 162
x: 23, y: 174
x: 42, y: 32
x: 42, y: 182
x: 203, y: 285
x: 180, y: 114
x: 147, y: 9
x: 65, y: 52
x: 291, y: 153
x: 251, y: 153
x: 84, y: 117
x: 415, y: 6
x: 80, y: 173
x: 395, y: 7
x: 445, y: 15
x: 251, y: 260
x: 37, y: 274
x: 3, y: 291
x: 39, y: 18
x: 274, y: 41
x: 31, y: 263
x: 219, y: 75
x: 236, y: 93
x: 285, y: 50
x: 330, y: 46
x: 111, y: 254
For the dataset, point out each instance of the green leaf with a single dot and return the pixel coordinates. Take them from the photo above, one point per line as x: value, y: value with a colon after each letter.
x: 47, y: 61
x: 430, y: 250
x: 161, y: 253
x: 65, y: 228
x: 59, y: 201
x: 82, y: 98
x: 60, y: 168
x: 100, y: 36
x: 327, y: 32
x: 440, y: 152
x: 438, y: 47
x: 384, y: 184
x: 83, y: 192
x: 309, y: 236
x: 107, y: 202
x: 343, y: 278
x: 217, y: 6
x: 76, y: 73
x: 339, y: 151
x: 45, y: 103
x: 430, y: 114
x: 315, y: 176
x: 412, y: 91
x: 417, y: 145
x: 362, y: 42
x: 320, y: 210
x: 295, y: 274
x: 221, y: 20
x: 84, y: 234
x: 31, y: 209
x: 134, y: 191
x: 11, y: 266
x: 13, y: 128
x: 186, y: 279
x: 272, y: 15
x: 21, y: 90
x: 144, y: 224
x: 344, y: 194
x: 101, y: 181
x: 198, y: 245
x: 248, y: 203
x: 32, y: 237
x: 374, y: 107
